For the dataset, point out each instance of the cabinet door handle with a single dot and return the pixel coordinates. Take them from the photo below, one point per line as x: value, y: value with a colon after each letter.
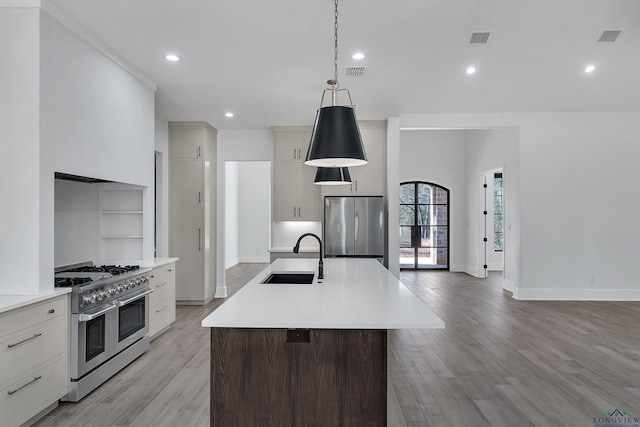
x: 198, y: 154
x: 356, y: 185
x: 294, y: 211
x: 294, y: 154
x: 299, y: 212
x: 23, y: 341
x: 51, y: 311
x: 161, y: 284
x: 198, y: 197
x: 10, y: 392
x: 162, y: 309
x: 299, y: 154
x: 199, y: 239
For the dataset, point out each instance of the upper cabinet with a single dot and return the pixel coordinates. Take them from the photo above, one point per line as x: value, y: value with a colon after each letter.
x: 367, y: 180
x: 295, y: 196
x: 290, y: 145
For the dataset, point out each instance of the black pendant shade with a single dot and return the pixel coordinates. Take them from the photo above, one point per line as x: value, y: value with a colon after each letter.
x: 332, y: 176
x: 336, y: 141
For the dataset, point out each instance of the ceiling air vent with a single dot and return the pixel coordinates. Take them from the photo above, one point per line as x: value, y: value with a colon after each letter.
x: 479, y: 38
x: 354, y: 71
x: 609, y: 36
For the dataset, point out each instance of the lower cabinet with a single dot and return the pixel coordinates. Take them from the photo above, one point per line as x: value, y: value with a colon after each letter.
x: 162, y: 300
x: 34, y: 359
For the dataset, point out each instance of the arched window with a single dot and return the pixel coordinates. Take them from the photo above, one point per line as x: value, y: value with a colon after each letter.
x: 424, y: 226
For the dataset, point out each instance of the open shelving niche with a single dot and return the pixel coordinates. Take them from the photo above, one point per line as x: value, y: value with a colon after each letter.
x: 121, y: 223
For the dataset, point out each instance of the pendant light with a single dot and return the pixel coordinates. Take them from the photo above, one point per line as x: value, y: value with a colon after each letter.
x: 335, y: 139
x: 332, y: 176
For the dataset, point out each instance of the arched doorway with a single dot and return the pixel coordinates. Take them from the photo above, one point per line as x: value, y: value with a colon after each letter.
x: 424, y: 226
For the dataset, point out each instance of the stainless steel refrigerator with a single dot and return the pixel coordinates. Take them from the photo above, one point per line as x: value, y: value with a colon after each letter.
x: 354, y: 226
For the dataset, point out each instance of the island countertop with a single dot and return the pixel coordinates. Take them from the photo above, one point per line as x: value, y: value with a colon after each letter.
x: 356, y: 293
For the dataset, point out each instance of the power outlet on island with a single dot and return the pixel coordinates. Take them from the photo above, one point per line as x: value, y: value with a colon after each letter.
x: 298, y: 335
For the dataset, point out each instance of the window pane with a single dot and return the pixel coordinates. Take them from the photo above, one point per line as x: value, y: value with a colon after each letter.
x: 498, y: 241
x: 407, y: 193
x: 425, y: 237
x: 405, y: 237
x: 497, y: 206
x: 498, y: 226
x: 440, y: 236
x: 440, y: 215
x: 442, y: 196
x: 406, y: 215
x: 424, y: 194
x: 424, y: 214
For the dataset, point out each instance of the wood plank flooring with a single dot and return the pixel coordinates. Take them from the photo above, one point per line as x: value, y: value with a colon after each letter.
x: 498, y: 362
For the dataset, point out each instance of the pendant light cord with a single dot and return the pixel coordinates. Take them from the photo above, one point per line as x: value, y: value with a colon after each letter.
x: 335, y: 52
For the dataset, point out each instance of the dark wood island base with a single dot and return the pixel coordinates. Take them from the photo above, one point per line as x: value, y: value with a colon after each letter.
x: 284, y: 377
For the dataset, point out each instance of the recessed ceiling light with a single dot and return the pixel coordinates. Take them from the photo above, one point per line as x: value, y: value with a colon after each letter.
x: 173, y: 58
x: 358, y: 56
x: 228, y: 114
x: 471, y: 70
x: 589, y: 68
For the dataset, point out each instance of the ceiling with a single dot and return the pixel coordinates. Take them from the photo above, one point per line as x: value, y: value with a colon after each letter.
x: 268, y: 61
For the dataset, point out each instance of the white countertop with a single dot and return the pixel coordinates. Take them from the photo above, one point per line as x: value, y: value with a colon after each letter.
x: 11, y: 302
x: 355, y: 294
x: 160, y: 261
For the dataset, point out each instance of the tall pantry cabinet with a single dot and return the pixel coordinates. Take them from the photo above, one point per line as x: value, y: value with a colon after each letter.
x: 192, y: 200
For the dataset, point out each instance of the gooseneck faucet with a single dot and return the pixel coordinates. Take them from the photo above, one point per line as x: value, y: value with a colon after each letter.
x: 296, y: 249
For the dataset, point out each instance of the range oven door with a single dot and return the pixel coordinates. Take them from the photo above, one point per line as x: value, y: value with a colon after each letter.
x: 132, y: 318
x: 91, y: 339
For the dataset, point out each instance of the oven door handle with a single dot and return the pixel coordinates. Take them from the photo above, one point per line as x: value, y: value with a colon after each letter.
x: 127, y: 301
x: 85, y: 317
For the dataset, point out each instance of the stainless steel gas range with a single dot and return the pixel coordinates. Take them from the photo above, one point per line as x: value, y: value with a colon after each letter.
x: 109, y: 321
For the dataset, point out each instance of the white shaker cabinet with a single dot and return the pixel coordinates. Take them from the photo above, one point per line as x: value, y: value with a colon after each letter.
x: 192, y: 188
x: 295, y: 196
x: 34, y: 359
x: 369, y: 179
x: 162, y: 301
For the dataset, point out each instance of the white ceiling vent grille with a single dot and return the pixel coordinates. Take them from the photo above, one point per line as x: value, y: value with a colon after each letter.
x: 609, y: 36
x: 354, y: 71
x: 479, y: 38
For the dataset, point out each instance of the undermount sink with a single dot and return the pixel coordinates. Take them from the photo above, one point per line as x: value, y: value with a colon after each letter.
x: 298, y: 278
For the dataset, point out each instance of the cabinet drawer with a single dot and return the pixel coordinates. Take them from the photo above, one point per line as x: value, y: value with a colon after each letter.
x: 163, y: 288
x: 162, y: 271
x: 32, y: 315
x: 162, y: 315
x: 31, y: 394
x: 23, y: 351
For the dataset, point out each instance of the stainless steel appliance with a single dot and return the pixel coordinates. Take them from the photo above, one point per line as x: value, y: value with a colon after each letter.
x: 354, y: 226
x: 109, y: 321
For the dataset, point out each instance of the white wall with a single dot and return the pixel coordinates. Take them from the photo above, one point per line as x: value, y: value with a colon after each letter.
x: 231, y: 235
x: 579, y: 206
x: 254, y: 211
x: 22, y: 257
x: 235, y: 145
x: 438, y: 156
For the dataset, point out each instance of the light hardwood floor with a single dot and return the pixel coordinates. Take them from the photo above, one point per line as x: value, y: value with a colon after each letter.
x: 498, y: 362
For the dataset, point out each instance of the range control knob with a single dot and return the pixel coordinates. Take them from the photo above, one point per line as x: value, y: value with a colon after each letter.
x: 86, y: 299
x: 92, y: 298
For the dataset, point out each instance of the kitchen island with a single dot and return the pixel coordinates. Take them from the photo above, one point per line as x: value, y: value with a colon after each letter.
x: 309, y: 354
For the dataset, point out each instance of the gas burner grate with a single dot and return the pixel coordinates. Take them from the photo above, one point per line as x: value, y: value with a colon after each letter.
x: 68, y: 282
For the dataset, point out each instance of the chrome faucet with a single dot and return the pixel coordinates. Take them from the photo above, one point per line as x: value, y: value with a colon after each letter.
x: 296, y: 249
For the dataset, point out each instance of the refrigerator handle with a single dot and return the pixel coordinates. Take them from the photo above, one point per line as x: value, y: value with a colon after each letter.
x: 357, y: 226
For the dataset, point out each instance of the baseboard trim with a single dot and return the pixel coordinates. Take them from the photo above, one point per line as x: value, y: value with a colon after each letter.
x: 474, y: 271
x: 576, y: 294
x: 509, y: 285
x: 231, y: 262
